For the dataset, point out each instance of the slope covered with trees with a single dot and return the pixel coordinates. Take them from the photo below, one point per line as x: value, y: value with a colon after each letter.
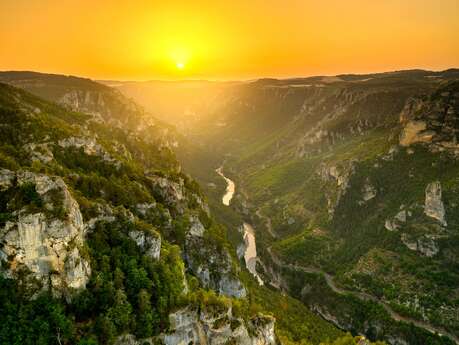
x: 104, y: 240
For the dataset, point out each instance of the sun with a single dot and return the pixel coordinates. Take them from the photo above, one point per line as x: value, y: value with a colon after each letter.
x: 180, y: 65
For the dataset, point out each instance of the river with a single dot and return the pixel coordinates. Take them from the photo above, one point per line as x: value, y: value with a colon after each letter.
x: 250, y: 247
x: 230, y: 188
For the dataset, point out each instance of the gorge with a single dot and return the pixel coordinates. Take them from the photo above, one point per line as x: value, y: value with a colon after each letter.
x: 328, y: 161
x: 325, y: 216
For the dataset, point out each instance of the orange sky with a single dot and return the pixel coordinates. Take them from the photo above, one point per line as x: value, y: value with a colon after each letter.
x: 237, y: 39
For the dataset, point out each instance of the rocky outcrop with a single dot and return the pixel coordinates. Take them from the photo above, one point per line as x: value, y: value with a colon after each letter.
x: 6, y: 179
x: 190, y: 326
x: 90, y: 102
x: 213, y: 267
x: 172, y: 193
x: 338, y: 176
x: 433, y: 206
x: 149, y: 242
x: 103, y: 213
x: 144, y: 208
x: 433, y: 120
x: 368, y: 191
x: 39, y: 152
x: 40, y: 243
x: 415, y: 132
x: 425, y: 245
x: 90, y: 147
x: 399, y: 219
x: 196, y: 227
x: 340, y: 322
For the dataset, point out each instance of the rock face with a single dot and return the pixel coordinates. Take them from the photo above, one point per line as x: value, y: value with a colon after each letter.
x: 425, y: 245
x: 104, y: 104
x: 150, y: 243
x: 432, y: 120
x: 90, y: 147
x: 188, y: 326
x: 339, y: 177
x: 40, y: 152
x: 196, y: 228
x: 415, y: 132
x: 368, y: 192
x: 395, y: 223
x: 213, y: 267
x: 171, y: 192
x: 434, y: 207
x: 46, y: 246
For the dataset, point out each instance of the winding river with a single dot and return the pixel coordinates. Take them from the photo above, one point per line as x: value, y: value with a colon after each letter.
x: 250, y: 247
x: 230, y: 188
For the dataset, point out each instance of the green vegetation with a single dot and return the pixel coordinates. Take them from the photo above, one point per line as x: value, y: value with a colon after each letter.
x: 356, y: 314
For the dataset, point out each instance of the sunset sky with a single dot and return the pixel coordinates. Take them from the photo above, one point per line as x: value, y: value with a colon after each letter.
x: 227, y: 39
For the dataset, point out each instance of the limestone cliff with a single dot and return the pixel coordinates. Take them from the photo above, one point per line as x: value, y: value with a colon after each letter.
x: 434, y: 207
x: 39, y: 241
x: 432, y: 119
x: 190, y: 326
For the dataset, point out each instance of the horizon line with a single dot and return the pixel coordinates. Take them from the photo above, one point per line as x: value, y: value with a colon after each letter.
x: 223, y: 80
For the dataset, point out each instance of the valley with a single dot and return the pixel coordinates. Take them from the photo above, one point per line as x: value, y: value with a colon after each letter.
x: 344, y: 196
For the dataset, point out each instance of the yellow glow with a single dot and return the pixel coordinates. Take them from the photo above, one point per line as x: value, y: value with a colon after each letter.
x: 147, y: 39
x: 180, y: 65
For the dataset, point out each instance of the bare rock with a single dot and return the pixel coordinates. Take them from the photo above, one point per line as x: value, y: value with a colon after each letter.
x: 213, y: 267
x: 48, y: 248
x: 149, y: 242
x: 196, y: 227
x: 218, y: 328
x: 425, y: 245
x: 415, y: 132
x: 39, y: 152
x: 369, y: 191
x: 395, y: 223
x: 434, y: 207
x: 6, y: 179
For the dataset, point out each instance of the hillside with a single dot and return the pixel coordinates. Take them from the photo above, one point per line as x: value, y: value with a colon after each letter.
x: 104, y: 240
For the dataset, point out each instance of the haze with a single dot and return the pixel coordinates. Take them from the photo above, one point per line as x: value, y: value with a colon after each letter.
x: 226, y: 40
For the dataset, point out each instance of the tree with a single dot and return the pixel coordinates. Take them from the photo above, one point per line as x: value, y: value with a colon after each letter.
x: 106, y: 329
x: 145, y: 318
x: 120, y: 312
